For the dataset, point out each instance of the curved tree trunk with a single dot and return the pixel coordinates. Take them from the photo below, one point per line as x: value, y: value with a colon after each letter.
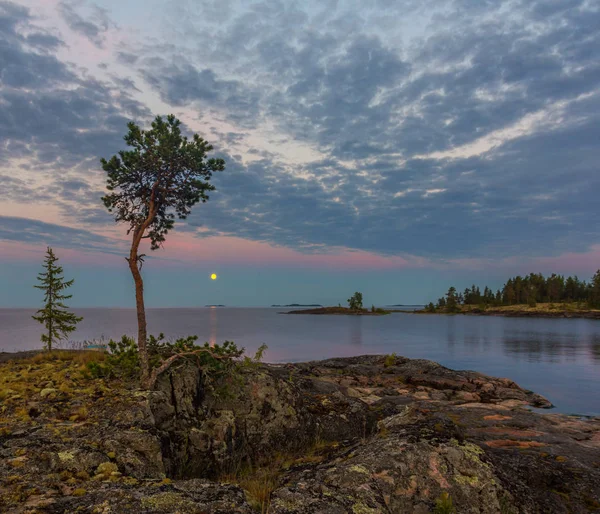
x: 141, y: 312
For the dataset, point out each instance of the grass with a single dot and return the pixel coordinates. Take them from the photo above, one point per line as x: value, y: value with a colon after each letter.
x: 82, y: 357
x: 60, y: 374
x: 261, y: 479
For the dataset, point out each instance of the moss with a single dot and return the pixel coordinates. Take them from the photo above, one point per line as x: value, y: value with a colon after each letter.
x: 79, y: 492
x: 560, y: 458
x: 473, y: 452
x: 83, y: 475
x: 169, y: 502
x: 287, y: 504
x: 359, y: 469
x: 111, y: 455
x: 466, y: 479
x: 65, y: 475
x: 106, y: 471
x: 66, y: 456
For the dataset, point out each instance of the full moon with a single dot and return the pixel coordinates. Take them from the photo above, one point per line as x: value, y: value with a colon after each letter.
x: 213, y: 276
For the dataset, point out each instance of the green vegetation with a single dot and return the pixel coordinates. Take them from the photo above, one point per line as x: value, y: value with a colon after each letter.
x: 355, y: 307
x: 390, y: 360
x: 162, y: 177
x: 260, y: 479
x: 530, y: 290
x: 55, y: 317
x: 121, y: 360
x: 444, y: 505
x: 355, y: 302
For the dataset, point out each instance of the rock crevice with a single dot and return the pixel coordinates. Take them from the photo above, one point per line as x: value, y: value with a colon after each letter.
x: 355, y: 435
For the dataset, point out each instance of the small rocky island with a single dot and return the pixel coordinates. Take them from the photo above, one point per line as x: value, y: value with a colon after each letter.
x: 298, y: 305
x: 360, y: 435
x: 341, y: 311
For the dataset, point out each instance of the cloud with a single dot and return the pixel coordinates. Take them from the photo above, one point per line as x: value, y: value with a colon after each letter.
x: 40, y: 233
x: 181, y: 84
x: 56, y: 121
x: 94, y: 27
x: 376, y: 113
x: 445, y: 130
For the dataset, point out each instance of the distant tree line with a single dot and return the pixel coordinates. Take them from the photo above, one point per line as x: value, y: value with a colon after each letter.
x: 527, y: 290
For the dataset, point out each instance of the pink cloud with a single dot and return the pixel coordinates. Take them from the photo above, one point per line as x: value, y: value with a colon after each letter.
x: 182, y: 249
x: 232, y: 250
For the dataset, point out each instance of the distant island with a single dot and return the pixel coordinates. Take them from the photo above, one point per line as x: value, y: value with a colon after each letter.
x: 342, y: 310
x: 298, y: 305
x: 355, y: 308
x: 215, y: 305
x: 530, y: 296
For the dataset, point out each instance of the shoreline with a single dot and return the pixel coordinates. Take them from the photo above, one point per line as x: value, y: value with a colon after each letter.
x: 512, y: 313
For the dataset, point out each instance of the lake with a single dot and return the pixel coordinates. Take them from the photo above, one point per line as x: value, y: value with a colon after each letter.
x: 558, y: 358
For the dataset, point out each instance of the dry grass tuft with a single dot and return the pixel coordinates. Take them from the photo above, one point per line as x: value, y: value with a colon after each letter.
x: 260, y: 480
x: 82, y: 357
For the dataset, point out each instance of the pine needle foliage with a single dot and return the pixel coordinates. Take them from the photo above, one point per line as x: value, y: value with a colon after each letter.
x: 158, y: 180
x: 55, y: 317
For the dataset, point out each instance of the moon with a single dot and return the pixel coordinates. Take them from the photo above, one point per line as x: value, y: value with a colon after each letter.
x: 213, y: 276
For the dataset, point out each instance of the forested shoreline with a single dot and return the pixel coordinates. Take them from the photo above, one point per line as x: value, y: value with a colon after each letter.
x: 528, y: 290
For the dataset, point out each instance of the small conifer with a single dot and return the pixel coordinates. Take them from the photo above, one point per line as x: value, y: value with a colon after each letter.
x: 59, y: 322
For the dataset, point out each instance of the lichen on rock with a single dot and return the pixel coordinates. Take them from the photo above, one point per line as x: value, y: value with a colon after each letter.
x: 357, y: 435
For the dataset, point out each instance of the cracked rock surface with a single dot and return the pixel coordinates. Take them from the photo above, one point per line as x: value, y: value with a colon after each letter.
x: 362, y: 435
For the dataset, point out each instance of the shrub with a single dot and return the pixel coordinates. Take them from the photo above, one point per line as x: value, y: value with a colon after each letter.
x: 390, y: 360
x: 121, y: 360
x: 443, y: 505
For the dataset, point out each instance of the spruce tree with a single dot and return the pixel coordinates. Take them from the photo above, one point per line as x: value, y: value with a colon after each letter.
x: 59, y: 322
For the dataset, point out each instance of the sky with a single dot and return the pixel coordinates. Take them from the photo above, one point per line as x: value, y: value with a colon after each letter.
x: 389, y: 147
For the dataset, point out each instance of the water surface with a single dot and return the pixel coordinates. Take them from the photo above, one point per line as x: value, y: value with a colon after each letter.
x: 558, y: 358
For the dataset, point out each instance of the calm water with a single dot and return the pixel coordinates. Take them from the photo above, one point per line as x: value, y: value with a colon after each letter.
x: 559, y: 358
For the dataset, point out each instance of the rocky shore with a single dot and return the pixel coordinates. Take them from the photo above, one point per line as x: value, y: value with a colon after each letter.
x: 517, y: 312
x: 361, y: 435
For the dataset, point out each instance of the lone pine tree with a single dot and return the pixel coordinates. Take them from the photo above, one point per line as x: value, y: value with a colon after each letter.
x: 59, y: 322
x: 163, y: 176
x: 355, y: 302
